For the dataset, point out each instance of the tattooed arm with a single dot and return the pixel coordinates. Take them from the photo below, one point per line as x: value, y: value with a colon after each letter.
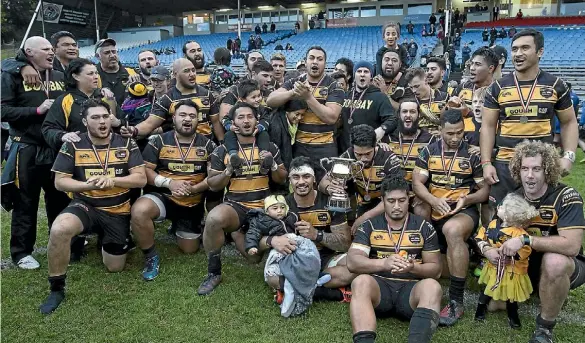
x: 339, y: 239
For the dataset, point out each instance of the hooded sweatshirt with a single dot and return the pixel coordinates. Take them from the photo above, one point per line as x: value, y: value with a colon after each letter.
x: 371, y: 107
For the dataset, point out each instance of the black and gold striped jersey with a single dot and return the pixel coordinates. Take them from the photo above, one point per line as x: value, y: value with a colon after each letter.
x: 164, y: 108
x: 430, y: 110
x: 465, y: 92
x: 318, y: 216
x: 407, y: 150
x: 376, y: 239
x: 368, y: 182
x: 312, y: 131
x: 163, y: 156
x: 516, y: 123
x: 451, y: 175
x: 251, y: 187
x: 472, y: 128
x: 79, y: 161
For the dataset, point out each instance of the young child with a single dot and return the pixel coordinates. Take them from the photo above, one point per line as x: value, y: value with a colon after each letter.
x: 295, y: 274
x: 223, y: 76
x: 473, y: 122
x: 137, y: 105
x: 249, y: 92
x: 508, y: 281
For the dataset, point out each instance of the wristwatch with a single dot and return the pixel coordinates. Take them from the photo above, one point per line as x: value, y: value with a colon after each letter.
x: 526, y: 240
x: 569, y: 155
x: 319, y: 236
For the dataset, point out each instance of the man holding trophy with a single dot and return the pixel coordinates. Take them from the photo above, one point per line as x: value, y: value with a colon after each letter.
x: 370, y: 166
x: 327, y: 229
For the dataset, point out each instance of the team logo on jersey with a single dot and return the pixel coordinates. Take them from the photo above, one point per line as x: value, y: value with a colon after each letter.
x: 414, y: 238
x: 546, y: 92
x: 378, y: 237
x: 200, y: 152
x: 380, y: 174
x: 323, y: 217
x: 323, y: 92
x: 546, y: 214
x: 82, y: 156
x: 205, y: 101
x: 464, y: 165
x: 120, y: 154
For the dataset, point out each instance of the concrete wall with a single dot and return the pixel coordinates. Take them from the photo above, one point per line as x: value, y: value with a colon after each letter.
x: 379, y: 20
x: 144, y: 35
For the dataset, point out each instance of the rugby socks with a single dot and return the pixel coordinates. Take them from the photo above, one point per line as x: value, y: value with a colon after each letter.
x: 150, y: 252
x: 423, y: 324
x: 331, y: 294
x: 543, y: 323
x: 214, y: 262
x: 364, y: 337
x: 57, y: 286
x: 456, y: 289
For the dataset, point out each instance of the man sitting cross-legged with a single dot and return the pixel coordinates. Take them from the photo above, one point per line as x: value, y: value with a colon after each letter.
x: 176, y: 168
x: 397, y: 255
x: 244, y: 192
x: 99, y: 170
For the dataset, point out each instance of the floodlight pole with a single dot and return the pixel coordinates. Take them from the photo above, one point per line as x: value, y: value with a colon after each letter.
x: 30, y: 24
x: 43, y: 18
x: 239, y: 21
x: 97, y: 23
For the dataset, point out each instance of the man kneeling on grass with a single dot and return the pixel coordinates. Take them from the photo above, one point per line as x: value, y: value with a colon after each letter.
x: 99, y: 170
x: 397, y: 254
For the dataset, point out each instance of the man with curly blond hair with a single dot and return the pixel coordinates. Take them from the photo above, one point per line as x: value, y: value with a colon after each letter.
x: 555, y: 236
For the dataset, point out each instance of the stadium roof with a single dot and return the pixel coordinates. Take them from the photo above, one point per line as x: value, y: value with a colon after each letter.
x: 179, y: 6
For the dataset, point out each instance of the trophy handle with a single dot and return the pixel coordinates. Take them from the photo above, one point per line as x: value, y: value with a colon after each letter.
x: 361, y: 164
x: 326, y: 160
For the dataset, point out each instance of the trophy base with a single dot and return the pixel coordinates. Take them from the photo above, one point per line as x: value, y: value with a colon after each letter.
x: 337, y: 209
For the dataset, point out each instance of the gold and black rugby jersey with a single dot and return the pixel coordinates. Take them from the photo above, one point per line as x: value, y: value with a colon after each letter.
x: 165, y: 107
x: 385, y: 164
x: 162, y: 155
x: 465, y: 92
x: 374, y: 238
x: 80, y: 162
x: 250, y: 188
x: 515, y: 124
x: 472, y: 128
x: 445, y: 88
x: 318, y: 216
x: 202, y: 78
x: 430, y: 116
x: 313, y: 131
x: 466, y: 172
x: 408, y: 158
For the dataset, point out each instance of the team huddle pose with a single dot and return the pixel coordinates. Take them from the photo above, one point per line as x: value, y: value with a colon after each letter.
x: 365, y: 186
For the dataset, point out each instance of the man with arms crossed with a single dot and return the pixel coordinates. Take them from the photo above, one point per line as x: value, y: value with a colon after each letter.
x: 99, y: 170
x: 397, y: 255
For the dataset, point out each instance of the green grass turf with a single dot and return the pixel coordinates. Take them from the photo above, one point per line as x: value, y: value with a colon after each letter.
x: 103, y: 307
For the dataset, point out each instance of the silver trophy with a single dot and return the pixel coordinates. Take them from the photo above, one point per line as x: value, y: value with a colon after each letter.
x: 340, y: 171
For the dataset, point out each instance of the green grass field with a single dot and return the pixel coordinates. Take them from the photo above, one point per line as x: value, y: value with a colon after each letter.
x: 103, y: 307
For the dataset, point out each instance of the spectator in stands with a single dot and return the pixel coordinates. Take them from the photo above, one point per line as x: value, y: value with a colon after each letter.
x: 288, y: 47
x: 391, y: 35
x: 146, y: 61
x: 423, y: 31
x: 345, y: 65
x: 341, y: 79
x: 229, y: 44
x: 113, y: 75
x: 412, y: 51
x: 65, y: 49
x: 485, y: 35
x: 264, y: 28
x: 259, y: 42
x: 432, y: 30
x: 272, y: 27
x: 493, y: 36
x: 251, y: 43
x: 297, y: 27
x: 237, y: 49
x: 432, y: 19
x: 223, y: 76
x: 496, y: 13
x: 511, y: 32
x: 410, y: 28
x: 279, y: 47
x: 311, y: 23
x: 544, y: 12
x: 465, y: 54
x: 502, y: 34
x: 301, y: 67
x: 425, y: 50
x: 519, y: 15
x: 257, y: 29
x: 456, y: 15
x: 441, y: 33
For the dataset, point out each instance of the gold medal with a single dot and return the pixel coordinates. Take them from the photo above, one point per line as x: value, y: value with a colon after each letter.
x: 524, y: 119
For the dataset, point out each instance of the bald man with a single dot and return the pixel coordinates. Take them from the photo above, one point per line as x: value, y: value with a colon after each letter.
x: 28, y: 167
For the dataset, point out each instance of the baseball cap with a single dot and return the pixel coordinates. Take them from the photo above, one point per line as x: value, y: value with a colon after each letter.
x: 300, y: 63
x: 501, y: 52
x: 104, y: 42
x: 160, y: 73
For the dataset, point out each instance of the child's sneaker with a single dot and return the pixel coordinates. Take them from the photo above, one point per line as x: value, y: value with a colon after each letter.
x: 323, y: 279
x: 279, y: 296
x: 266, y: 164
x: 236, y: 163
